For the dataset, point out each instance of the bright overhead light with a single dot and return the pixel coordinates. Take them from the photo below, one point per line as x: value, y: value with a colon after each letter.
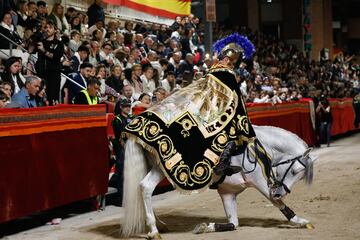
x: 269, y: 1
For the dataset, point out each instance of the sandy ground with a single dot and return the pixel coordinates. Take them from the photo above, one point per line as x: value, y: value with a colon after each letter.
x: 332, y: 204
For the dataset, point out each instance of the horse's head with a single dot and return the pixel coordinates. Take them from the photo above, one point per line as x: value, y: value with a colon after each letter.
x: 290, y: 171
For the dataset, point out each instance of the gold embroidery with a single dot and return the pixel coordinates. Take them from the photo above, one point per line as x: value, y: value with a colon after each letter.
x: 219, y: 142
x: 169, y: 164
x: 212, y: 156
x: 243, y: 123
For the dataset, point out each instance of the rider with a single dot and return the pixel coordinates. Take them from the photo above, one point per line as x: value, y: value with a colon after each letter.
x: 230, y: 51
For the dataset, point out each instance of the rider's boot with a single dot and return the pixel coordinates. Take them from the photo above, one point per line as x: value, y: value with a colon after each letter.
x: 224, y: 167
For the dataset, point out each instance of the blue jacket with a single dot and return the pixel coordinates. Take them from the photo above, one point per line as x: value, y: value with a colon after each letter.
x: 23, y: 100
x: 74, y: 89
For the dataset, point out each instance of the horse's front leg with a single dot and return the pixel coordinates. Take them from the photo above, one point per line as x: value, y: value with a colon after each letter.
x: 290, y: 214
x: 148, y: 184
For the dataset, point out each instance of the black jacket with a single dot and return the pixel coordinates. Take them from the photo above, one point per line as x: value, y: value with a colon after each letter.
x: 14, y: 36
x: 45, y: 65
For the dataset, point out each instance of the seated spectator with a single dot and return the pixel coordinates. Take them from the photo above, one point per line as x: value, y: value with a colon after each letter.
x: 4, y: 99
x: 169, y: 83
x: 75, y: 40
x: 107, y: 54
x: 42, y: 9
x: 94, y: 57
x: 142, y: 104
x: 147, y: 79
x: 40, y: 97
x: 89, y: 95
x: 26, y: 97
x: 159, y: 94
x: 105, y: 90
x: 79, y: 58
x: 115, y: 80
x: 71, y: 89
x: 127, y: 93
x: 187, y: 66
x: 75, y: 23
x: 8, y: 29
x: 11, y: 74
x: 6, y: 88
x: 134, y: 81
x: 57, y: 17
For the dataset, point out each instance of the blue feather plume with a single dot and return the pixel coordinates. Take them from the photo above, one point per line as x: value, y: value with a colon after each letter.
x: 238, y: 39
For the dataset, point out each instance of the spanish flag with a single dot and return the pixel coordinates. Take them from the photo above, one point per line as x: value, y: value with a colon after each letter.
x: 161, y: 8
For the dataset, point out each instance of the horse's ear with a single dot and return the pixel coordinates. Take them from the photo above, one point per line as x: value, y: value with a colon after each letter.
x: 307, y: 152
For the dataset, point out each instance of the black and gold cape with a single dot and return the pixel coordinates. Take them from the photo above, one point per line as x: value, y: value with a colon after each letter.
x: 188, y: 130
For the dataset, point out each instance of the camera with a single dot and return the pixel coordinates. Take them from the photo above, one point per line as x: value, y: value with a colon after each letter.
x: 35, y: 39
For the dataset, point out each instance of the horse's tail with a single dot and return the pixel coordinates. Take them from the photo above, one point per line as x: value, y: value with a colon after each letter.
x: 134, y: 171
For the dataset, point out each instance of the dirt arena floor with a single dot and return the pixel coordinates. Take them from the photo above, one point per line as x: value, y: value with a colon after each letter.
x: 332, y: 204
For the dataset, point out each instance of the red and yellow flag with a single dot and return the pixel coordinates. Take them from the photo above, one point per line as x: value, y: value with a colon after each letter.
x: 162, y: 8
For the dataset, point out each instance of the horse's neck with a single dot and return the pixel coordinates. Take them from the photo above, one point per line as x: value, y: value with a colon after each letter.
x: 279, y: 142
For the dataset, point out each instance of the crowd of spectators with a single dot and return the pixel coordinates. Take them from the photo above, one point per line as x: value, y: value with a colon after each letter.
x: 130, y: 58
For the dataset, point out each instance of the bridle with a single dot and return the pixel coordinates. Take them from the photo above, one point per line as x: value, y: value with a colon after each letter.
x: 292, y: 161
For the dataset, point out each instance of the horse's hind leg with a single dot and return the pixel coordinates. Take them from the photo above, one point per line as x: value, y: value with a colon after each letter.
x: 230, y: 207
x: 148, y: 185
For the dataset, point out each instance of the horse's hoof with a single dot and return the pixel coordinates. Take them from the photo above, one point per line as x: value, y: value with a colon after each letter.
x: 309, y: 226
x: 200, y: 228
x: 153, y: 236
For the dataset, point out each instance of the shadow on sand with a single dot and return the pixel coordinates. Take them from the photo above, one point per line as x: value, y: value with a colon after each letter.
x: 177, y: 223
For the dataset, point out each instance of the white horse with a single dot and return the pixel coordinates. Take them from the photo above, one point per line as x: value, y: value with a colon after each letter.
x: 290, y: 159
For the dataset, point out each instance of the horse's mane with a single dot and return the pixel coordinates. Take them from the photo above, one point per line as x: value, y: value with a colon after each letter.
x: 276, y: 147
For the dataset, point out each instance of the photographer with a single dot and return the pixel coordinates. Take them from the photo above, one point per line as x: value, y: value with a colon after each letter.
x: 48, y: 65
x: 323, y: 111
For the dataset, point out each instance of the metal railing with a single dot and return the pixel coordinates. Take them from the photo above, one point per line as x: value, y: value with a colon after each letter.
x: 11, y: 43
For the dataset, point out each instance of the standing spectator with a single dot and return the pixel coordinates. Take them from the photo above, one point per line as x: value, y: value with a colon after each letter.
x: 356, y: 105
x: 89, y: 95
x: 324, y: 111
x: 96, y: 12
x: 26, y: 97
x: 122, y: 118
x: 48, y: 65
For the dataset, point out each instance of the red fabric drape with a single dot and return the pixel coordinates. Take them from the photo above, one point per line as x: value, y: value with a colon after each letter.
x: 44, y: 170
